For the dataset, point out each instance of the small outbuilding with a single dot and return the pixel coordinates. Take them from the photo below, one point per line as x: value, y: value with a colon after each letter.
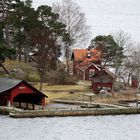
x: 134, y: 81
x: 85, y: 71
x: 102, y: 79
x: 19, y: 93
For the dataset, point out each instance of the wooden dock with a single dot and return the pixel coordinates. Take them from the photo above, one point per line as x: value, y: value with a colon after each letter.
x: 79, y: 112
x: 86, y: 103
x: 103, y: 109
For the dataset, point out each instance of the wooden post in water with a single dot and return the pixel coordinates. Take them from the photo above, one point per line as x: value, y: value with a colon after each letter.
x: 27, y: 105
x: 33, y: 106
x: 19, y: 104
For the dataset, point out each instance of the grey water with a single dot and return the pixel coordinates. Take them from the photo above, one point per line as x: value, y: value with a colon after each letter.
x: 71, y: 128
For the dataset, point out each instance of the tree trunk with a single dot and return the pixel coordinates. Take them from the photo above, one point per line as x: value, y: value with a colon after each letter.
x: 7, y: 37
x: 25, y: 55
x: 128, y: 81
x: 113, y: 84
x: 19, y: 53
x: 41, y: 81
x: 124, y: 81
x: 67, y: 58
x: 41, y: 85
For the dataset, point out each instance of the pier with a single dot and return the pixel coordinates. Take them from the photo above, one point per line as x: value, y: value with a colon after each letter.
x: 79, y: 112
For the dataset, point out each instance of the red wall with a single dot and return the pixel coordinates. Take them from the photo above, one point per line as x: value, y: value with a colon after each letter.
x: 21, y: 88
x: 96, y: 85
x: 80, y: 73
x: 87, y: 71
x: 135, y: 83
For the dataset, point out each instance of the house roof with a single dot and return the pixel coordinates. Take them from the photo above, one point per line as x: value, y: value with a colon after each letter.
x: 105, y: 71
x: 83, y: 66
x: 82, y: 55
x: 90, y: 64
x: 7, y: 84
x: 109, y: 73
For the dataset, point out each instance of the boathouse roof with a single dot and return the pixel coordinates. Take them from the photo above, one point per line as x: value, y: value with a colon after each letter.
x: 7, y: 84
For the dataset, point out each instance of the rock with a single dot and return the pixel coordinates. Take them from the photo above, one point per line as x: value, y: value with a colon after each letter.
x: 18, y: 73
x: 104, y: 93
x: 72, y: 92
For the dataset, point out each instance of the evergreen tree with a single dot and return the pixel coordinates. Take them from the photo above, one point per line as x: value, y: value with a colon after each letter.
x: 112, y: 53
x: 45, y: 39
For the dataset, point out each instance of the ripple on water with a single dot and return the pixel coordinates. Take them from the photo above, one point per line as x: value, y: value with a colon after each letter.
x: 71, y: 128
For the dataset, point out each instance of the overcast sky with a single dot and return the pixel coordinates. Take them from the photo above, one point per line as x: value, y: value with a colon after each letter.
x: 107, y: 16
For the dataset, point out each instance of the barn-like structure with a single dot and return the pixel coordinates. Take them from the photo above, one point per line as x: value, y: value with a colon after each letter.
x: 15, y: 92
x: 102, y: 79
x: 85, y: 71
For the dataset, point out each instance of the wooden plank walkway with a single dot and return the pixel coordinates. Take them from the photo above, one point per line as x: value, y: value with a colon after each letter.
x: 85, y: 103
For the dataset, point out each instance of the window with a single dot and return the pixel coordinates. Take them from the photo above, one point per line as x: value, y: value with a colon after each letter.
x: 91, y: 72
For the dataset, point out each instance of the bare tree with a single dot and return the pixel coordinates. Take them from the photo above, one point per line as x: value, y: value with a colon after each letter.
x: 124, y: 70
x: 132, y: 65
x: 124, y: 40
x: 70, y: 14
x: 79, y: 33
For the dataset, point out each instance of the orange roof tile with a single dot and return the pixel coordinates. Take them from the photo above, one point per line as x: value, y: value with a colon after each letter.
x: 81, y: 55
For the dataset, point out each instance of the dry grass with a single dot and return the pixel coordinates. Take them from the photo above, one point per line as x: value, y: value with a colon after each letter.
x: 67, y: 88
x: 78, y: 96
x: 12, y: 64
x: 54, y: 95
x: 30, y: 73
x: 63, y: 92
x: 59, y: 88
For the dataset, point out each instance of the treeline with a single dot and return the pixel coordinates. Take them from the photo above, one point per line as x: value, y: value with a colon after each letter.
x: 120, y: 53
x: 24, y: 29
x: 49, y: 30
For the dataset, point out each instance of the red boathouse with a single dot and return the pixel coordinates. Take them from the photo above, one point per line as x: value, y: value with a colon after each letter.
x: 15, y: 92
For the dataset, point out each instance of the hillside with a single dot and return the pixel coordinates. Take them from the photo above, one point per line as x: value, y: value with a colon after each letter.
x: 65, y: 92
x: 19, y: 70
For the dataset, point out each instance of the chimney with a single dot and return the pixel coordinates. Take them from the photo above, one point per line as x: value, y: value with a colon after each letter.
x: 88, y: 53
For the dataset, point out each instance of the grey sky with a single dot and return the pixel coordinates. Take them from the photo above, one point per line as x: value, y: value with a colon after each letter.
x: 107, y: 16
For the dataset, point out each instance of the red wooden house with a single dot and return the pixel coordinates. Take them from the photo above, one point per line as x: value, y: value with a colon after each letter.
x: 85, y: 71
x: 87, y: 66
x: 85, y: 62
x: 86, y: 55
x: 102, y: 79
x: 14, y: 91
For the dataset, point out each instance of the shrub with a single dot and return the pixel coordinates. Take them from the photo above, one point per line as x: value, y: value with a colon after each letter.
x: 60, y: 77
x: 33, y: 77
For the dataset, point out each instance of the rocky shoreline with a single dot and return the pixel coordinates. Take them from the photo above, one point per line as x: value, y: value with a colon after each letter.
x: 83, y: 109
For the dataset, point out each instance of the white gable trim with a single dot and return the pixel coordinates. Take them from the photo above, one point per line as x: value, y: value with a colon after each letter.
x: 91, y: 64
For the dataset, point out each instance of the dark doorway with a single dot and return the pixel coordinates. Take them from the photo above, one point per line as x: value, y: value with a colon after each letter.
x: 28, y: 100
